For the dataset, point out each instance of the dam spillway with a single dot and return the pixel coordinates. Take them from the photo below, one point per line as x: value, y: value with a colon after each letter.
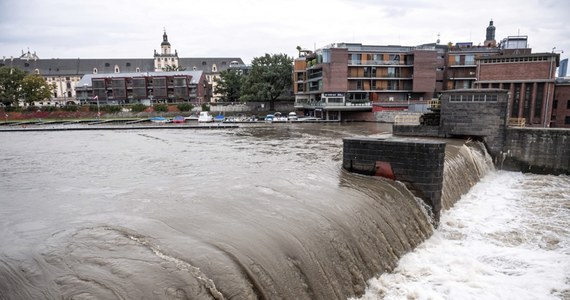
x: 251, y: 213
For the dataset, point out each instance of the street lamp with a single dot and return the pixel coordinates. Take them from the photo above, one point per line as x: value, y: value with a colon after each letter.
x: 98, y: 109
x: 85, y: 92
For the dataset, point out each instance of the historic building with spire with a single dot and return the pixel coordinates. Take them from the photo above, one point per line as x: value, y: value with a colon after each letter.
x: 165, y: 60
x: 65, y: 75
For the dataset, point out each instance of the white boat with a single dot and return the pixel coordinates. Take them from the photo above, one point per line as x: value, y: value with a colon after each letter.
x: 205, y: 117
x: 292, y: 116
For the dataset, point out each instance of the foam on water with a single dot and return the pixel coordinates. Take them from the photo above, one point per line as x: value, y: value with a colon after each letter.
x: 508, y: 238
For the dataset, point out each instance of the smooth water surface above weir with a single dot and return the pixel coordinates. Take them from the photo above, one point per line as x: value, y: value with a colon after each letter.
x: 260, y: 212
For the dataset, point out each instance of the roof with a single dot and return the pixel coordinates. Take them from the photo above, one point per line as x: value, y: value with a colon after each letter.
x: 79, y: 66
x: 87, y: 78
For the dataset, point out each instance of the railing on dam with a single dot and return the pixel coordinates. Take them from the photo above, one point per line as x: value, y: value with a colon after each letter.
x: 517, y: 122
x: 407, y: 119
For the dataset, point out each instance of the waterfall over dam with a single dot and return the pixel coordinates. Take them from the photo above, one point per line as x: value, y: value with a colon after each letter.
x: 263, y: 212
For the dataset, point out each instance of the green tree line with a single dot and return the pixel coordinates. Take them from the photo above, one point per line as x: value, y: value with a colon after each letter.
x: 270, y: 76
x: 16, y: 85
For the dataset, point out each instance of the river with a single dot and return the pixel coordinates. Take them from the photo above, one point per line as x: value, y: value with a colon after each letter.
x: 253, y: 212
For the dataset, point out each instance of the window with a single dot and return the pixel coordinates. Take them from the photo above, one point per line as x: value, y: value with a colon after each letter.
x: 107, y: 65
x: 567, y: 120
x: 355, y: 59
x: 94, y: 70
x: 568, y: 104
x: 128, y: 64
x: 138, y: 70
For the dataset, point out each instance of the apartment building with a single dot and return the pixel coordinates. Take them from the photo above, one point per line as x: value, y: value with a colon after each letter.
x: 148, y: 87
x: 345, y: 78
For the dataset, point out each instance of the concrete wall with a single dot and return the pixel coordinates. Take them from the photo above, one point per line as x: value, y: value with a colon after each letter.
x: 542, y: 151
x: 479, y: 118
x: 418, y: 164
x: 415, y: 130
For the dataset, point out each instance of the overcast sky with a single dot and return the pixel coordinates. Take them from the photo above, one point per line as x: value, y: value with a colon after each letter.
x: 251, y: 28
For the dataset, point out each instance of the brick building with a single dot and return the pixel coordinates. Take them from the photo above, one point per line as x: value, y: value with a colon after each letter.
x: 343, y: 78
x: 561, y: 106
x: 529, y: 77
x: 158, y: 87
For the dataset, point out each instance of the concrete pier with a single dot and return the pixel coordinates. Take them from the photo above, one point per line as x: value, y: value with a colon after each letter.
x: 418, y: 164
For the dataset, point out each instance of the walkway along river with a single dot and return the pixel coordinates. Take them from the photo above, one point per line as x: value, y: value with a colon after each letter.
x: 252, y: 212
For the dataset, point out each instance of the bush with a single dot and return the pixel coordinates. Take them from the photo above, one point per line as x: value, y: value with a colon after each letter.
x: 12, y: 109
x: 69, y: 108
x: 185, y: 107
x: 49, y: 108
x: 137, y: 108
x: 32, y: 108
x: 205, y: 107
x: 93, y: 107
x: 112, y: 108
x: 161, y: 108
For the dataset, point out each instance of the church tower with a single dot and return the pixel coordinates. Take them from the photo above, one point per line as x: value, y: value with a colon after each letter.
x: 165, y: 60
x: 490, y: 41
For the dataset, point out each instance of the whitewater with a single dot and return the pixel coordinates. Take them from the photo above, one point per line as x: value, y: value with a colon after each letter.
x: 508, y: 238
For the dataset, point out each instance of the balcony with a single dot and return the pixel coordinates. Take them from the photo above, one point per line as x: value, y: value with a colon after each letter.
x: 378, y: 63
x: 336, y: 106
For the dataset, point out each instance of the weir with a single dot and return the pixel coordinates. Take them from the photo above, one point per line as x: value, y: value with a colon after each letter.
x: 310, y: 231
x: 418, y: 164
x: 437, y: 174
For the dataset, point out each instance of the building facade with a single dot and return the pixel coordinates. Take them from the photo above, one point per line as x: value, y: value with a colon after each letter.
x: 561, y: 106
x: 530, y: 79
x: 350, y: 77
x: 64, y: 75
x: 377, y: 77
x: 147, y: 88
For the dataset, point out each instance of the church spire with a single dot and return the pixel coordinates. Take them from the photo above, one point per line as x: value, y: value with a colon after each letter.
x: 490, y: 37
x: 165, y: 39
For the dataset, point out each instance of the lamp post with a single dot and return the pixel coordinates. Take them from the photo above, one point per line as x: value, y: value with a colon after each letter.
x: 98, y: 109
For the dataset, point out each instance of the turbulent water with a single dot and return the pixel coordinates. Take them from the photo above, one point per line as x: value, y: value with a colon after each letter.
x: 508, y: 238
x: 261, y: 212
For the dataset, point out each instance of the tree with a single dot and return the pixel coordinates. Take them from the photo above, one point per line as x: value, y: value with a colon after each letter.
x: 270, y: 76
x: 10, y: 84
x: 35, y: 88
x: 229, y: 85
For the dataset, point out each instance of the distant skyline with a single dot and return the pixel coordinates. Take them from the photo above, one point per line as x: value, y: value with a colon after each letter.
x: 251, y: 28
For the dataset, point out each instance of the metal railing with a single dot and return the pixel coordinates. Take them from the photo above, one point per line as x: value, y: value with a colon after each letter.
x: 517, y: 122
x: 407, y: 119
x: 434, y: 104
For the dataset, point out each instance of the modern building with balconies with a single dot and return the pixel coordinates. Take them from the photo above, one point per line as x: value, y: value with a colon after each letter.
x: 341, y: 80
